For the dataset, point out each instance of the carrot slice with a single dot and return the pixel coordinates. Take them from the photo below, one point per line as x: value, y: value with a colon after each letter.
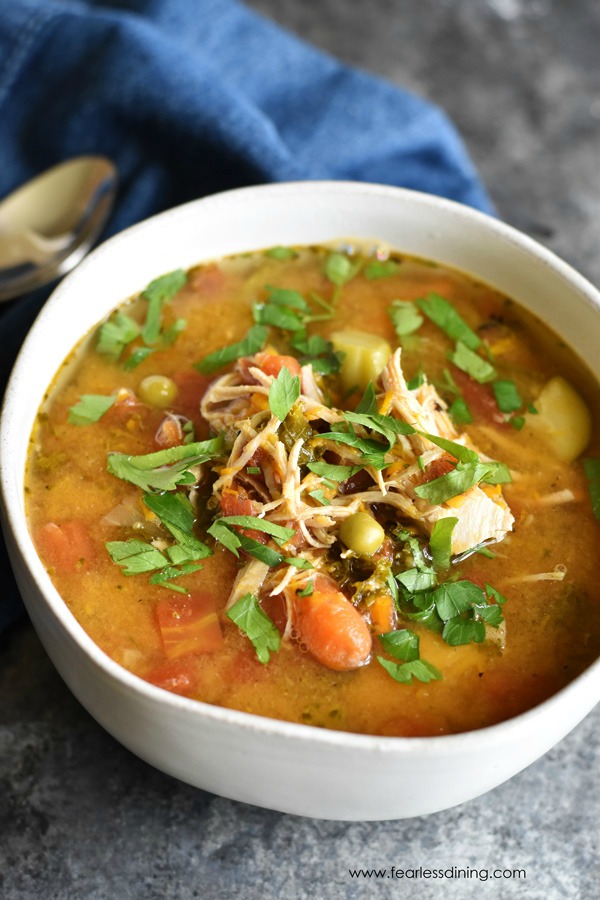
x: 66, y: 547
x: 189, y: 625
x: 331, y: 628
x: 272, y: 365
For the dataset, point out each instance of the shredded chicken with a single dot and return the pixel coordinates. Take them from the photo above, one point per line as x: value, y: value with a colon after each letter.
x: 288, y: 493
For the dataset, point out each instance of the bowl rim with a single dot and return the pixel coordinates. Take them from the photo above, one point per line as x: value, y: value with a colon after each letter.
x: 439, y: 745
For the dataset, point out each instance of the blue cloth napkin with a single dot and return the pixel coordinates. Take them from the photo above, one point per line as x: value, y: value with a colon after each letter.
x: 190, y: 97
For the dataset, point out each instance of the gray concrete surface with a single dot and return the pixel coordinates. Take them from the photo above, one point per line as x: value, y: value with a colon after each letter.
x: 80, y: 817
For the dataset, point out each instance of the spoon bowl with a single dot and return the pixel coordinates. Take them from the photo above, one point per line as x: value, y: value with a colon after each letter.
x: 48, y: 225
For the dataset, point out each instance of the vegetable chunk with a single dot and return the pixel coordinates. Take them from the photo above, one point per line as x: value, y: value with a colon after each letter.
x: 563, y: 420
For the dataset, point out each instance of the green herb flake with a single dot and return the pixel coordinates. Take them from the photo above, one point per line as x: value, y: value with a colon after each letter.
x: 455, y: 597
x: 165, y: 469
x: 440, y: 542
x: 517, y: 422
x: 159, y: 292
x: 413, y: 383
x: 368, y: 402
x: 460, y: 412
x: 253, y: 470
x: 402, y: 644
x: 320, y: 497
x: 445, y: 317
x: 138, y: 356
x: 332, y: 472
x: 475, y: 366
x: 591, y: 467
x: 277, y: 316
x: 256, y: 625
x: 495, y: 595
x: 507, y: 395
x: 458, y: 631
x: 531, y: 408
x: 308, y: 590
x: 283, y: 393
x: 286, y: 298
x: 405, y: 317
x: 135, y: 557
x: 281, y: 253
x: 253, y: 342
x: 115, y: 334
x: 381, y: 269
x: 90, y: 408
x: 340, y: 269
x: 278, y: 532
x: 405, y: 672
x: 418, y: 579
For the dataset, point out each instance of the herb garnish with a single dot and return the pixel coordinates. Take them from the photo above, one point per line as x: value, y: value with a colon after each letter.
x: 165, y: 469
x: 256, y: 625
x: 404, y: 645
x: 159, y: 292
x: 283, y: 393
x: 340, y: 269
x: 253, y: 342
x: 405, y: 317
x: 507, y: 396
x: 473, y: 364
x: 281, y: 253
x: 90, y: 408
x: 121, y: 330
x: 445, y: 317
x: 591, y: 467
x: 440, y: 541
x: 380, y: 269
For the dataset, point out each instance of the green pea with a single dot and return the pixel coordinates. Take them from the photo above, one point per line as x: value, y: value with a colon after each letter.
x: 362, y: 534
x: 158, y: 391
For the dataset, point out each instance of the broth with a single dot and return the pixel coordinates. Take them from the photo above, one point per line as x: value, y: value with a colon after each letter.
x: 544, y: 564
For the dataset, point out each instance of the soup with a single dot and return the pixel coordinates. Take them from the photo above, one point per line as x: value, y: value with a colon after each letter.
x: 357, y: 491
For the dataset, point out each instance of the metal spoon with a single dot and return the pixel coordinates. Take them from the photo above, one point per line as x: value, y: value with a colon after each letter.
x: 49, y: 224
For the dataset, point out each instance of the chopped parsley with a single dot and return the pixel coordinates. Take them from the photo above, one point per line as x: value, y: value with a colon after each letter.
x: 473, y: 364
x: 254, y: 341
x: 256, y: 625
x: 445, y: 317
x: 283, y: 393
x: 591, y: 467
x: 165, y: 469
x: 90, y: 408
x: 507, y: 396
x: 405, y: 317
x: 281, y: 253
x: 340, y: 269
x: 381, y: 269
x: 158, y: 293
x: 440, y: 542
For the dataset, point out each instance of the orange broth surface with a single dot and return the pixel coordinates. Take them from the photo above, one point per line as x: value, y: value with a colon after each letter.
x: 552, y: 627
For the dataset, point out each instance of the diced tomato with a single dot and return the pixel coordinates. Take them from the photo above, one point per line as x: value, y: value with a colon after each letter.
x: 479, y: 398
x: 191, y: 387
x: 125, y: 406
x: 236, y: 502
x: 189, y: 625
x: 178, y: 676
x: 273, y: 364
x: 208, y: 280
x: 276, y: 609
x: 246, y: 668
x: 66, y: 547
x: 436, y: 468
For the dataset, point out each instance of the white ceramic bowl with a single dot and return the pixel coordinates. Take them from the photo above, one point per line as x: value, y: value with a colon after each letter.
x: 293, y: 768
